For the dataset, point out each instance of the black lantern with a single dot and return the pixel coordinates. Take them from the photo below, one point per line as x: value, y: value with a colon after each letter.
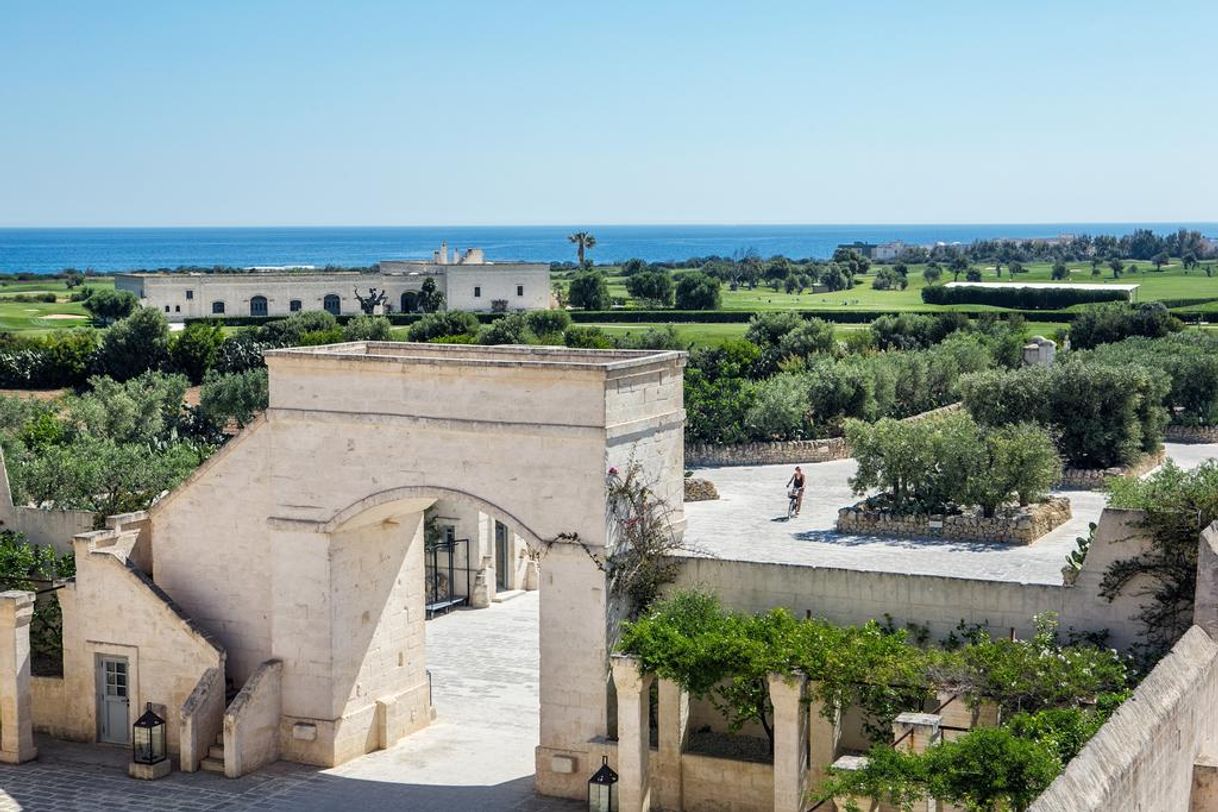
x: 148, y: 738
x: 600, y: 788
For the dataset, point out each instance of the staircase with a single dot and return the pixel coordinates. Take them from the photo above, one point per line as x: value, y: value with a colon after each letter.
x: 214, y: 763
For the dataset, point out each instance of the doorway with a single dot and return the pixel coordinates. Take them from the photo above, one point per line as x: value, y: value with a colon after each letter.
x: 501, y: 556
x: 113, y: 720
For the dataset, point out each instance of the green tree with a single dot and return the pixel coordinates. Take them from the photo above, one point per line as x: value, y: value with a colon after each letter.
x: 431, y: 299
x: 367, y: 328
x: 548, y: 323
x: 652, y: 288
x: 589, y: 290
x: 1189, y: 260
x: 443, y: 324
x: 697, y: 291
x: 583, y: 241
x: 1117, y: 267
x: 780, y: 408
x: 1060, y: 270
x: 510, y: 329
x: 194, y: 350
x: 1159, y: 260
x: 135, y: 345
x: 932, y: 274
x: 632, y: 266
x: 109, y: 305
x: 146, y: 409
x: 238, y: 396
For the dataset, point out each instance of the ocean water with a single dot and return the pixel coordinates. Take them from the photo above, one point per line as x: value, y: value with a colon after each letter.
x: 47, y: 250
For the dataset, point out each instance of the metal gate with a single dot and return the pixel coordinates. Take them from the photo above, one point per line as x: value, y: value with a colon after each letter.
x: 446, y: 570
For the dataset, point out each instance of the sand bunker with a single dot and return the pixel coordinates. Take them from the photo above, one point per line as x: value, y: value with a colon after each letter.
x: 64, y: 316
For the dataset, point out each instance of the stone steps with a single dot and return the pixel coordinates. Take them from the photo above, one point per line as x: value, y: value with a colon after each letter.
x: 212, y: 765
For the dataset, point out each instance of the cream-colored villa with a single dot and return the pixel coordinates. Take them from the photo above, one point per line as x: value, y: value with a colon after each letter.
x: 467, y: 280
x: 273, y: 608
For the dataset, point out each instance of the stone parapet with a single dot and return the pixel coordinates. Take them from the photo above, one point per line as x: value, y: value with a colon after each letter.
x: 1012, y: 525
x: 1094, y: 479
x: 1191, y: 434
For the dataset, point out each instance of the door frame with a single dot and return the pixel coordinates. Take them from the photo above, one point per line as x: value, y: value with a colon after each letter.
x: 503, y: 556
x: 100, y: 661
x: 97, y: 651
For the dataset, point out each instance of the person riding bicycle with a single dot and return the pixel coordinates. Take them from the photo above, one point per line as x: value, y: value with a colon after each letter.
x: 796, y: 485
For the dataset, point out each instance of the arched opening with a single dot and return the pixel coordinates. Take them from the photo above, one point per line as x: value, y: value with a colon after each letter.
x: 257, y: 305
x: 294, y: 306
x: 332, y: 303
x: 217, y: 308
x: 410, y: 301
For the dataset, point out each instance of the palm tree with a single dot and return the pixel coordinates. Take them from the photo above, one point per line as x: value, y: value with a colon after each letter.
x: 584, y: 240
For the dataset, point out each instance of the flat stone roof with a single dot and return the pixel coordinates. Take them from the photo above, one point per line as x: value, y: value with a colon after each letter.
x: 481, y: 355
x: 748, y: 523
x: 1049, y: 285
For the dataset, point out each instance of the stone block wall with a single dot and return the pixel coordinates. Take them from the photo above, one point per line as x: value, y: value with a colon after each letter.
x: 1014, y: 525
x: 1191, y: 434
x: 1094, y: 479
x: 785, y: 451
x: 722, y: 785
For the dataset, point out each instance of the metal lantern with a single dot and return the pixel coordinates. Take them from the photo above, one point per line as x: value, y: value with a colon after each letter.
x: 148, y: 738
x: 600, y: 788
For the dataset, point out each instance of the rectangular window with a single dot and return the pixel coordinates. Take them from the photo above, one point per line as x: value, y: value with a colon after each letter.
x: 520, y: 290
x: 190, y: 294
x: 294, y: 306
x: 477, y: 292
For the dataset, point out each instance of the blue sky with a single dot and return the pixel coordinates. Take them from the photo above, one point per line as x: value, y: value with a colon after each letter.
x: 404, y: 113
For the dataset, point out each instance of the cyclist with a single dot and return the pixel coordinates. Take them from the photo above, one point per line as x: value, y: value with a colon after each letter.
x: 796, y: 485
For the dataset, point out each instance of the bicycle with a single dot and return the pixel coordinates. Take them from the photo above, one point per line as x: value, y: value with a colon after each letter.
x: 792, y: 503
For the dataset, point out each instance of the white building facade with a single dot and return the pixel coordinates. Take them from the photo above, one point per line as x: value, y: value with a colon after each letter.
x: 466, y: 279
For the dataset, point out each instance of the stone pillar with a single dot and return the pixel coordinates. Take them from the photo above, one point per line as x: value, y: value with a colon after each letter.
x: 16, y: 718
x: 674, y: 730
x: 823, y: 734
x: 852, y: 802
x: 790, y: 741
x: 918, y: 731
x: 633, y: 734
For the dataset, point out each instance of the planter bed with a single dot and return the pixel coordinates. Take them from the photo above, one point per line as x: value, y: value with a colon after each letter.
x: 1009, y: 525
x: 1191, y: 434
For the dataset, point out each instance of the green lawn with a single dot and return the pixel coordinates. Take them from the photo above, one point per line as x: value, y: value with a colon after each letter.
x: 43, y: 316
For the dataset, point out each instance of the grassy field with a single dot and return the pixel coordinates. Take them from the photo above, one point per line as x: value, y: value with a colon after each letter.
x: 1173, y: 282
x: 43, y: 316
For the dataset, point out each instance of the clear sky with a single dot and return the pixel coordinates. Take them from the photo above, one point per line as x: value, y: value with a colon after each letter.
x: 455, y: 112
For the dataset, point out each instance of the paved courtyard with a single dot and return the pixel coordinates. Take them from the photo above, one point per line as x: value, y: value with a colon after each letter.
x: 478, y: 755
x: 748, y: 523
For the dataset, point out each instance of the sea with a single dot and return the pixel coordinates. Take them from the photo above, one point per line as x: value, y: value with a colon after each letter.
x: 48, y: 250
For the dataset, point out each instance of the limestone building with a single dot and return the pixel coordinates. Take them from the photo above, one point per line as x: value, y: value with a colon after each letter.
x: 467, y: 280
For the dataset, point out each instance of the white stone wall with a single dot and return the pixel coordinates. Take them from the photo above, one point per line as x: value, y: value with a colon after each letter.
x: 938, y: 602
x: 111, y: 609
x: 252, y: 722
x: 189, y: 296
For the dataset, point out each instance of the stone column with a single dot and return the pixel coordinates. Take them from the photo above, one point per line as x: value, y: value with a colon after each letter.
x: 823, y: 734
x: 16, y: 718
x: 633, y: 734
x: 918, y: 731
x: 790, y: 740
x: 845, y: 802
x: 674, y: 730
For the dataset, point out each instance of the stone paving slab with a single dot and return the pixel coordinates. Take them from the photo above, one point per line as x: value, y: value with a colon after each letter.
x: 748, y: 523
x: 478, y: 755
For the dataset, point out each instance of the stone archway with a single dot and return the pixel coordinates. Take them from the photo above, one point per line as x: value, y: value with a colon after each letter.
x: 295, y: 540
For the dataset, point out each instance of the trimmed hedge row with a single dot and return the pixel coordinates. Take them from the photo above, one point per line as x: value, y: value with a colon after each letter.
x: 1019, y: 297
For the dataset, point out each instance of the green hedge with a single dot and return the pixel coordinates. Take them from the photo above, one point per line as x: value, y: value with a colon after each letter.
x: 1019, y: 297
x: 628, y: 316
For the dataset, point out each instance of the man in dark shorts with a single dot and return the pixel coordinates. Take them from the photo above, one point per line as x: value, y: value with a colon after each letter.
x: 797, y: 483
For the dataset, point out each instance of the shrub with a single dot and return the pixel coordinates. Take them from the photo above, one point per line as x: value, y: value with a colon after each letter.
x: 697, y: 291
x: 238, y: 396
x: 586, y: 337
x: 108, y: 305
x: 652, y: 288
x: 590, y: 291
x: 194, y: 350
x: 939, y: 464
x: 513, y: 329
x: 911, y: 331
x: 1189, y: 359
x: 653, y: 338
x: 1016, y: 296
x: 241, y: 352
x: 367, y: 328
x: 446, y: 323
x: 548, y: 322
x: 135, y: 345
x: 1103, y: 324
x: 779, y: 409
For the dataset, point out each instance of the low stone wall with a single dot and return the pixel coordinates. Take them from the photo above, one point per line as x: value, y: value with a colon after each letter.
x: 201, y: 719
x: 786, y: 451
x: 1191, y: 434
x: 778, y: 453
x: 1013, y: 525
x: 47, y: 706
x: 723, y: 785
x: 1094, y: 479
x: 251, y: 723
x: 700, y: 490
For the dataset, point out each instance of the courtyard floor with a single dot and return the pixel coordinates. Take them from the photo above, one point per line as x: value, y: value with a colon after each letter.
x: 748, y: 523
x: 477, y: 755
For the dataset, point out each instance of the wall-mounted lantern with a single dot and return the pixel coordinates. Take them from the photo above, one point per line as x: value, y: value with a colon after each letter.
x: 600, y: 788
